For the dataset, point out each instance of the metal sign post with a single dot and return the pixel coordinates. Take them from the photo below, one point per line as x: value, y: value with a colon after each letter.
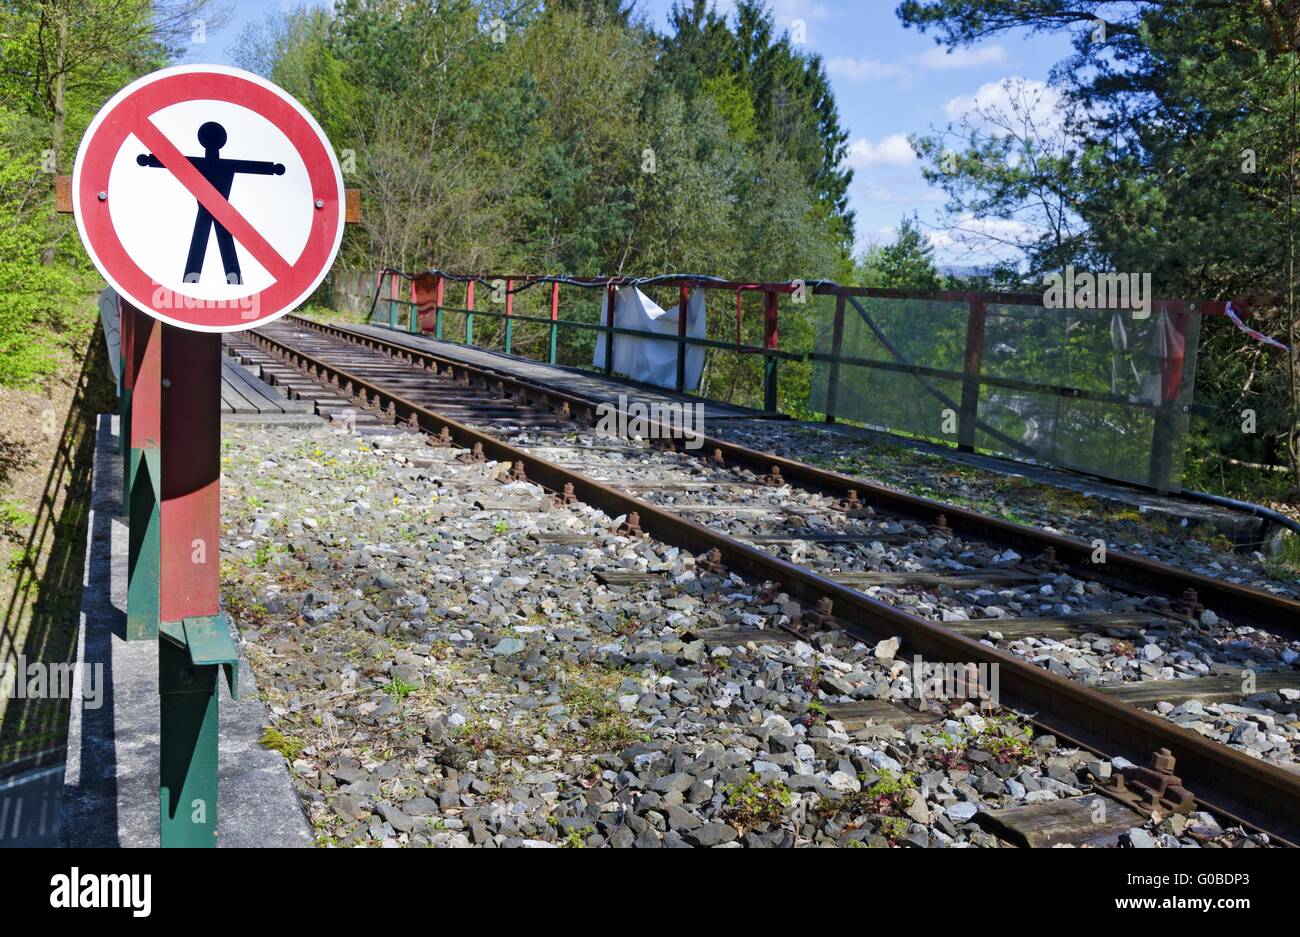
x: 143, y: 472
x: 182, y: 158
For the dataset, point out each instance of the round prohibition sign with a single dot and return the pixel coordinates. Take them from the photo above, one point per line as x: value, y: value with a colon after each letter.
x: 134, y: 169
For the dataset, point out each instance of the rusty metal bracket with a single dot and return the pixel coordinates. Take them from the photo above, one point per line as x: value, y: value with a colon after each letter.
x: 473, y: 455
x: 566, y: 498
x: 1150, y: 790
x: 711, y: 563
x: 821, y: 618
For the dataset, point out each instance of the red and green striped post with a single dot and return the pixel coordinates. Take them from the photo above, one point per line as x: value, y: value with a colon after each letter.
x: 510, y: 308
x: 194, y: 636
x: 143, y: 472
x: 555, y: 320
x: 771, y: 345
x: 437, y: 307
x: 469, y: 316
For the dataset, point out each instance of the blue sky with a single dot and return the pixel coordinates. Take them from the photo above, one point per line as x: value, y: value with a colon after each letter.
x: 889, y: 82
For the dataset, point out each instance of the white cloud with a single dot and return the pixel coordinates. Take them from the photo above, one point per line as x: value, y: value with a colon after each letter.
x: 787, y: 11
x: 942, y: 59
x: 910, y: 192
x: 862, y: 69
x: 982, y: 240
x: 893, y: 150
x: 1011, y: 102
x: 936, y: 59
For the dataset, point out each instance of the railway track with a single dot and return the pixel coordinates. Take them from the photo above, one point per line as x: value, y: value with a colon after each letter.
x: 827, y: 540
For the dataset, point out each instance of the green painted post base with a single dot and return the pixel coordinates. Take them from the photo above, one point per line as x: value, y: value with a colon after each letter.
x: 437, y: 323
x: 190, y: 653
x: 469, y: 329
x: 509, y: 333
x: 145, y: 545
x: 555, y: 343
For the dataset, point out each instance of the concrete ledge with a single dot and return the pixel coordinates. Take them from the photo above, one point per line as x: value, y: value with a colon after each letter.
x: 110, y: 795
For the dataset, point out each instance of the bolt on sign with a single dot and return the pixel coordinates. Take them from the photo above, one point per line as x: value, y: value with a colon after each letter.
x: 211, y: 201
x: 208, y: 198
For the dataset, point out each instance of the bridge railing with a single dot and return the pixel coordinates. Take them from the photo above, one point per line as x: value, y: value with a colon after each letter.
x: 1104, y: 390
x: 427, y: 303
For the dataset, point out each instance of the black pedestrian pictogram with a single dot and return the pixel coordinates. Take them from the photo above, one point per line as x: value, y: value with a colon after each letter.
x: 221, y: 174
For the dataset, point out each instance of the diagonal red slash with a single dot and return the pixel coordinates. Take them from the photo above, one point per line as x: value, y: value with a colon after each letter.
x: 179, y: 166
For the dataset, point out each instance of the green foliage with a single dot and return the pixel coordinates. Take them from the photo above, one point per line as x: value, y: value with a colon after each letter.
x: 400, y: 689
x: 756, y: 803
x: 1176, y: 156
x: 888, y: 793
x: 906, y: 264
x: 287, y: 745
x: 35, y: 296
x: 15, y: 520
x: 577, y: 140
x: 59, y: 61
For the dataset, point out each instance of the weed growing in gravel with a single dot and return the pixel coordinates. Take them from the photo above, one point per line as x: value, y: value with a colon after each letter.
x: 589, y: 695
x: 1001, y: 737
x: 892, y: 828
x: 481, y: 737
x: 880, y: 802
x: 15, y: 520
x: 264, y: 553
x: 287, y: 745
x: 575, y: 838
x: 399, y: 689
x: 888, y: 793
x: 755, y: 803
x: 815, y: 714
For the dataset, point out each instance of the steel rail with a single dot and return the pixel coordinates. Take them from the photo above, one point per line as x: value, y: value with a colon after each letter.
x: 1224, y: 780
x: 1123, y: 571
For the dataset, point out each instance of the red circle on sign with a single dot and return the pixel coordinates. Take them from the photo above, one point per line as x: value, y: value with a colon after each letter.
x: 128, y: 113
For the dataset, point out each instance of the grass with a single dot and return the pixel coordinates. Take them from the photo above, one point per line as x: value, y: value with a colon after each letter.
x: 15, y: 519
x: 1286, y: 564
x: 399, y: 689
x: 589, y: 695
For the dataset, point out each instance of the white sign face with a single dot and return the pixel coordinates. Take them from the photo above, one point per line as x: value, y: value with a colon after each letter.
x: 208, y: 197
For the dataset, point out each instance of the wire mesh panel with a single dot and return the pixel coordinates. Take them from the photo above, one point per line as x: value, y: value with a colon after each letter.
x: 1103, y: 391
x: 900, y: 364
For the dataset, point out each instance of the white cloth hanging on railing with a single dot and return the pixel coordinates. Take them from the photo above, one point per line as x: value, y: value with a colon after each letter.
x: 650, y: 360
